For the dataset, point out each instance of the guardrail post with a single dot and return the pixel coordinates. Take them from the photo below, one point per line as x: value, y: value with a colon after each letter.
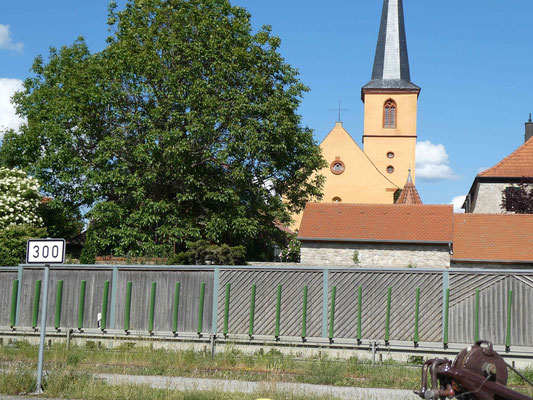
x: 332, y: 313
x: 81, y: 304
x: 36, y: 300
x: 278, y: 312
x: 304, y: 313
x: 387, y: 315
x: 226, y: 308
x: 476, y: 317
x: 14, y: 295
x: 508, y: 330
x: 59, y: 300
x: 127, y: 306
x: 416, y: 337
x: 176, y: 307
x: 325, y: 295
x: 201, y: 309
x: 359, y: 312
x: 252, y: 311
x: 105, y: 298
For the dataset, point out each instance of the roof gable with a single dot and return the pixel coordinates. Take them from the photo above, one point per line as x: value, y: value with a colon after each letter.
x: 516, y: 165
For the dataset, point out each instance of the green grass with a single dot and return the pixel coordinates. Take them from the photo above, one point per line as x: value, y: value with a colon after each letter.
x: 271, y: 366
x: 69, y: 384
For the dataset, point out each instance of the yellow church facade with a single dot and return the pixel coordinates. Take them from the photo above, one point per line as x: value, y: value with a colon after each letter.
x: 376, y: 173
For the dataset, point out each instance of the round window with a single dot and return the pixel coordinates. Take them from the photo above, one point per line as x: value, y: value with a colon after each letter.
x: 390, y: 154
x: 390, y: 169
x: 336, y: 200
x: 337, y: 167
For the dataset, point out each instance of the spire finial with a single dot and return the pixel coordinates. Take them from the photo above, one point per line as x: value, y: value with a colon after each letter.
x: 409, y: 178
x: 530, y: 117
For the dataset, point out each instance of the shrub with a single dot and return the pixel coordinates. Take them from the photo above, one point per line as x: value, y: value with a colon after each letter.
x: 291, y: 253
x: 204, y: 253
x: 19, y: 199
x: 13, y: 243
x: 355, y: 257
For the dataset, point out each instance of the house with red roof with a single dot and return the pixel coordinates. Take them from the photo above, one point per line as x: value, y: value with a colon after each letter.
x: 485, y: 195
x: 413, y: 235
x: 376, y: 235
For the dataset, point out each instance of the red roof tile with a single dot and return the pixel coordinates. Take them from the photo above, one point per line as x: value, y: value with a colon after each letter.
x: 375, y: 222
x: 517, y: 164
x: 497, y: 237
x: 409, y: 194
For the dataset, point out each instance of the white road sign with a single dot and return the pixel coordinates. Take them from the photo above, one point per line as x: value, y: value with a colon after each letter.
x: 45, y: 251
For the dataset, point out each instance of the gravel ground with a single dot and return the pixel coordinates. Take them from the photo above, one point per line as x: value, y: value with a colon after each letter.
x: 178, y: 383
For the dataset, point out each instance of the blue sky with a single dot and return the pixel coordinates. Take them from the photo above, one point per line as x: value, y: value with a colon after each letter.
x: 472, y: 60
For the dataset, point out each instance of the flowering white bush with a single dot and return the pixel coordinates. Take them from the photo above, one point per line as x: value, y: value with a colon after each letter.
x: 19, y: 199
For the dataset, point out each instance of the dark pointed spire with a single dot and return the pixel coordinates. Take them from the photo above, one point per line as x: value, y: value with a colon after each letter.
x: 391, y: 64
x: 529, y: 129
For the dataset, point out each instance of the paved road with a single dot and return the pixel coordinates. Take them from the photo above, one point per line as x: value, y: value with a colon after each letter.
x: 179, y: 383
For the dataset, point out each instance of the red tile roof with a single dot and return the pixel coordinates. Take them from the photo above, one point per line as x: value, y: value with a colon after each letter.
x: 377, y: 222
x: 409, y: 194
x: 517, y: 164
x: 495, y: 237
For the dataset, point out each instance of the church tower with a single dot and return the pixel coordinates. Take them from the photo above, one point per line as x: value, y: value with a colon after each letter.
x: 390, y: 99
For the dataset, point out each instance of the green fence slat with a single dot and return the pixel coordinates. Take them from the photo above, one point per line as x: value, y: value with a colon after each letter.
x: 127, y: 307
x: 332, y: 312
x: 387, y: 315
x: 226, y: 308
x: 304, y: 313
x: 278, y: 311
x: 81, y: 304
x: 446, y: 316
x: 416, y: 337
x: 176, y: 307
x: 59, y: 301
x: 509, y: 311
x: 151, y: 313
x: 14, y: 295
x: 359, y: 312
x: 476, y: 317
x: 36, y: 300
x: 105, y: 298
x: 201, y: 309
x: 252, y: 310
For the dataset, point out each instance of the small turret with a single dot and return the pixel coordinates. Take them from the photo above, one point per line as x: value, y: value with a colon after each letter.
x: 409, y: 193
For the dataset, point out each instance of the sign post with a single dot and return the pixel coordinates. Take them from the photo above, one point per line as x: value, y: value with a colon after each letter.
x: 44, y: 251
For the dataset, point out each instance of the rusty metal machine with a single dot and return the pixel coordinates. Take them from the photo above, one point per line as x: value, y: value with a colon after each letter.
x: 478, y: 373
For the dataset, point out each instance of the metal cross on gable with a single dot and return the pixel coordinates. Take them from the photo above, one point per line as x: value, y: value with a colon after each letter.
x: 339, y: 109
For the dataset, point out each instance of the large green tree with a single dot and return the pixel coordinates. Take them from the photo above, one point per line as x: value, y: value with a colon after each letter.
x: 183, y: 128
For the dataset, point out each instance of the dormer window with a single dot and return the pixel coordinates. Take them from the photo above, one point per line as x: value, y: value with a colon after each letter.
x: 389, y: 115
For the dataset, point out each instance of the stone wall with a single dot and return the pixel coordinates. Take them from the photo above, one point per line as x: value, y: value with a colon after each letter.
x: 375, y: 254
x: 489, y: 198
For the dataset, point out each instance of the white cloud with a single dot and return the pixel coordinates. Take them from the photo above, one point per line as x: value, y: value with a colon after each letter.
x: 6, y: 42
x: 457, y: 202
x: 432, y: 162
x: 8, y: 118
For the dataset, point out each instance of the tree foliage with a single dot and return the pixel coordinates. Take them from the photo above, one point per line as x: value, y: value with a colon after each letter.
x: 19, y: 199
x: 183, y: 128
x: 519, y: 198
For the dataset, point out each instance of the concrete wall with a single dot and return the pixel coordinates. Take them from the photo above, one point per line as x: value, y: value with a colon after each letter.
x: 489, y: 198
x: 486, y: 265
x: 375, y: 255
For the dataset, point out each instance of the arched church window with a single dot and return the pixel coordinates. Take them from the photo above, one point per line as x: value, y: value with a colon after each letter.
x: 389, y: 114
